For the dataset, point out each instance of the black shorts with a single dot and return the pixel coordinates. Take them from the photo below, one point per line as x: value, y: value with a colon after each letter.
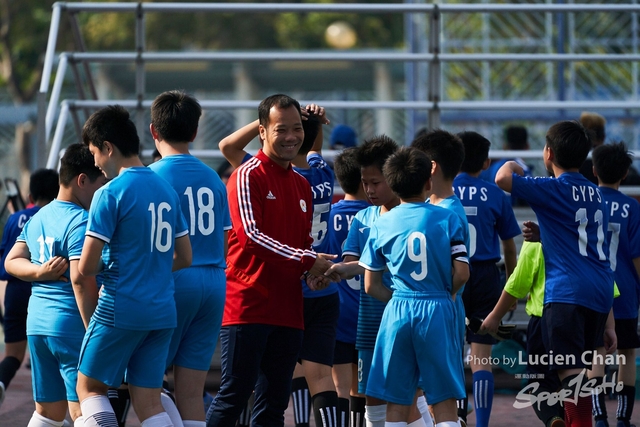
x: 480, y: 295
x: 536, y: 368
x: 570, y: 333
x: 345, y: 353
x: 627, y: 333
x: 16, y: 302
x: 320, y: 320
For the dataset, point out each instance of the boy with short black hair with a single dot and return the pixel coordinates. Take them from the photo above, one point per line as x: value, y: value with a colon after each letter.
x: 420, y: 311
x: 345, y: 361
x: 491, y: 220
x: 46, y: 253
x: 371, y: 156
x: 199, y: 289
x: 136, y: 236
x: 611, y: 163
x: 446, y: 152
x: 579, y: 282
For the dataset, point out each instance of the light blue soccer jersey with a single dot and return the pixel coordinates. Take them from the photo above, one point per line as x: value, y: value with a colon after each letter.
x: 490, y: 216
x: 574, y: 221
x: 56, y: 230
x: 203, y: 199
x: 340, y: 220
x: 138, y: 216
x: 416, y: 242
x: 624, y: 246
x: 370, y: 310
x: 320, y: 178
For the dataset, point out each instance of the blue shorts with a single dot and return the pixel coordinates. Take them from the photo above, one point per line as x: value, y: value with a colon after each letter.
x: 480, y: 295
x: 364, y: 368
x: 573, y: 345
x: 320, y: 319
x: 417, y: 339
x: 108, y: 352
x: 16, y: 302
x: 54, y: 367
x: 200, y: 296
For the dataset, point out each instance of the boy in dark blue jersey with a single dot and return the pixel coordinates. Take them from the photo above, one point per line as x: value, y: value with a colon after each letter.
x: 43, y: 188
x: 610, y: 165
x: 345, y: 360
x: 579, y: 282
x: 491, y: 220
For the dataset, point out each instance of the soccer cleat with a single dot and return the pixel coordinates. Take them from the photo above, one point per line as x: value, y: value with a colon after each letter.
x: 556, y: 422
x: 623, y: 423
x: 462, y: 422
x: 602, y: 423
x: 3, y: 392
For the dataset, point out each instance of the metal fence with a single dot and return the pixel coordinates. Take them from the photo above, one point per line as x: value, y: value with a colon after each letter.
x: 466, y: 65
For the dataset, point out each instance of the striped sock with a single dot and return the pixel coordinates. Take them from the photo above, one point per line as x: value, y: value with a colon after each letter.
x: 325, y: 408
x: 301, y: 401
x: 483, y: 396
x: 97, y: 412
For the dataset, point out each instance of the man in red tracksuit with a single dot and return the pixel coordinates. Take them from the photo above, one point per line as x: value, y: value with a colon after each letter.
x: 269, y: 250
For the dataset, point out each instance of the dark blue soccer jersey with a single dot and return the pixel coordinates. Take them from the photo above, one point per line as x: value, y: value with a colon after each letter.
x: 489, y: 214
x: 624, y: 246
x: 574, y: 221
x: 320, y: 178
x: 340, y: 220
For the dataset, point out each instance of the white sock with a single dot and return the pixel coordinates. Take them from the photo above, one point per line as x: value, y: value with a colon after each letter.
x: 395, y: 424
x: 38, y: 420
x: 98, y: 412
x: 191, y: 423
x: 417, y: 423
x: 375, y: 416
x: 423, y: 407
x: 172, y: 412
x: 158, y: 420
x: 79, y: 422
x: 448, y: 424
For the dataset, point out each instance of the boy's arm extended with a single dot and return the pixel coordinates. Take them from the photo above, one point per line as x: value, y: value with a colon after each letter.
x: 232, y: 146
x: 347, y: 269
x: 493, y: 319
x: 504, y: 176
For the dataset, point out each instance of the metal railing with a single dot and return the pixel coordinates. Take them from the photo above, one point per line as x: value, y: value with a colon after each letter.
x: 433, y: 104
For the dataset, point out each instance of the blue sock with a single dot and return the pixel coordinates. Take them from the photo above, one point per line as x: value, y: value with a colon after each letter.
x: 483, y: 396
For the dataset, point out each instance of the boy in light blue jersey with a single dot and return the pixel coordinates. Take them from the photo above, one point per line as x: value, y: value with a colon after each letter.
x: 136, y: 236
x: 446, y: 152
x: 47, y: 253
x: 611, y: 163
x: 371, y: 156
x: 491, y: 220
x: 43, y: 188
x: 345, y: 361
x: 574, y: 219
x: 199, y: 289
x: 422, y: 247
